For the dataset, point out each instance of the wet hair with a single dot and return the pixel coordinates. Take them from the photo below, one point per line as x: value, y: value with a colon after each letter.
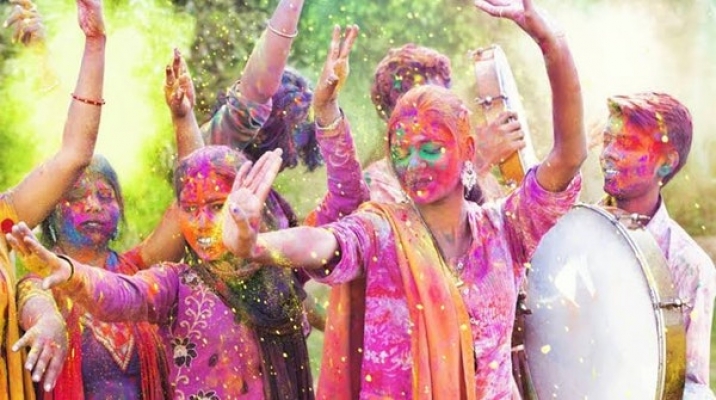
x: 658, y: 113
x: 222, y: 160
x: 289, y: 125
x: 402, y: 69
x: 440, y: 104
x: 100, y: 168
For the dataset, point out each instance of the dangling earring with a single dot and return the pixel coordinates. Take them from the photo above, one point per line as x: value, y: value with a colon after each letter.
x: 664, y: 170
x: 468, y: 176
x: 53, y: 234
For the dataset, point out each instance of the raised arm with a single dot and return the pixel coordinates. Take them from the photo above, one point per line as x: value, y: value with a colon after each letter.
x: 35, y: 196
x: 346, y: 188
x: 569, y: 149
x: 262, y: 73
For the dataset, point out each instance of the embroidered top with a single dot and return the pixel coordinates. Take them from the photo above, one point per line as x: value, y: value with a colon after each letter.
x: 504, y: 234
x: 695, y: 279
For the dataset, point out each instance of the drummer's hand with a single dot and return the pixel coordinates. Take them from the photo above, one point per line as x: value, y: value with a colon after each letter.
x: 498, y: 140
x: 531, y: 19
x: 26, y: 22
x: 54, y: 269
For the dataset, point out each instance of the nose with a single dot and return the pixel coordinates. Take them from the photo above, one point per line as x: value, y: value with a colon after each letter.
x: 92, y: 203
x: 414, y: 161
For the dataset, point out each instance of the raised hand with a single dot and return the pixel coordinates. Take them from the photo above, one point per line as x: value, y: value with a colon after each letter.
x: 91, y: 19
x: 178, y: 87
x: 47, y: 339
x: 523, y: 13
x: 26, y: 22
x: 54, y: 269
x: 336, y: 69
x: 242, y: 218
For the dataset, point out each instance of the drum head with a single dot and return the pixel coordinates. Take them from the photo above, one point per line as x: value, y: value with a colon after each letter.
x: 592, y: 333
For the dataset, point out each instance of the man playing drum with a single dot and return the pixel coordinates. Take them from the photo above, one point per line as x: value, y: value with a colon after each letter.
x: 647, y: 140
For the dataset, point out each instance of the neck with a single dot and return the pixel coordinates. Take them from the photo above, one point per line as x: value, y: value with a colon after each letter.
x: 646, y: 204
x: 447, y: 221
x: 85, y: 254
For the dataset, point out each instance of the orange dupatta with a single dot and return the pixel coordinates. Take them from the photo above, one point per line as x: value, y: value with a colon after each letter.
x: 441, y: 340
x: 15, y: 381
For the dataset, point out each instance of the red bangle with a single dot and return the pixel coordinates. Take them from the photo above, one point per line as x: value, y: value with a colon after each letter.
x: 91, y: 102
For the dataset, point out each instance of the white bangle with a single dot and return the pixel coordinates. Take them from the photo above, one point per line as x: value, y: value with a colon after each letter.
x: 333, y: 125
x: 280, y: 33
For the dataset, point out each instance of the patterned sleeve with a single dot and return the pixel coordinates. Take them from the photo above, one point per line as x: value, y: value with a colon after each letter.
x: 237, y: 122
x: 530, y: 211
x: 148, y: 295
x: 358, y: 240
x: 346, y: 188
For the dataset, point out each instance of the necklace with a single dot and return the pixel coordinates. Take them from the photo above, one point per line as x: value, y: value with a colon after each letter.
x: 457, y: 271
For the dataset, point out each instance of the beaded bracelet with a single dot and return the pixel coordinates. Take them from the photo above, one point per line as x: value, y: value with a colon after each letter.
x: 91, y: 102
x: 279, y: 33
x: 333, y: 125
x: 72, y: 265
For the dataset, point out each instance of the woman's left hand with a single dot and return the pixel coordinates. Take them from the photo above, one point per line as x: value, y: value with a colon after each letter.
x: 48, y: 343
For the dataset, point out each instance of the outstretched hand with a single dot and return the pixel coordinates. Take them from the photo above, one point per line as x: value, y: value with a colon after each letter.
x: 26, y: 22
x: 179, y: 90
x: 91, y: 19
x: 243, y: 210
x: 336, y: 69
x: 523, y: 13
x: 48, y: 343
x: 37, y: 258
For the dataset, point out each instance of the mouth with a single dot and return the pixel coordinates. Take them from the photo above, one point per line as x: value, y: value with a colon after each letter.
x: 205, y: 242
x: 609, y: 170
x: 93, y: 224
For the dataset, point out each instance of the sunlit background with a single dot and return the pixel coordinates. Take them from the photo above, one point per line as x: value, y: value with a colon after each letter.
x: 619, y: 46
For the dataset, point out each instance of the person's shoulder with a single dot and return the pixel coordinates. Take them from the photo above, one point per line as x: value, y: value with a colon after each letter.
x: 685, y: 251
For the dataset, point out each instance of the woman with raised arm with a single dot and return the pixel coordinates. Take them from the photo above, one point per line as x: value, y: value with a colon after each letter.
x: 112, y: 360
x: 31, y: 201
x: 421, y: 272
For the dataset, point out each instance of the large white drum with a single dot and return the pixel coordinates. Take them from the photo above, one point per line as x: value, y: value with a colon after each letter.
x: 605, y: 320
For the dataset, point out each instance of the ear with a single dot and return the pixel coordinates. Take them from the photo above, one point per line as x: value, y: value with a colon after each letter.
x: 469, y: 147
x: 668, y: 163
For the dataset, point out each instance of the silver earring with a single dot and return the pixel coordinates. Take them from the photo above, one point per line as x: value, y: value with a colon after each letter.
x: 468, y: 176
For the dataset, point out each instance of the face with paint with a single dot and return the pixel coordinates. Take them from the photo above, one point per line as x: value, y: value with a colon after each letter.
x: 631, y: 159
x: 201, y: 201
x: 425, y: 157
x: 89, y: 214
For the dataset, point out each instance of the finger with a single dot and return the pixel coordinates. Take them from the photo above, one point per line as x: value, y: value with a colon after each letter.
x: 334, y: 49
x: 176, y: 62
x: 252, y: 175
x: 54, y: 369
x: 18, y: 14
x: 505, y: 116
x: 241, y: 175
x: 23, y: 3
x: 510, y: 126
x: 25, y: 340
x: 169, y: 81
x: 269, y: 174
x: 351, y: 35
x: 33, y: 354
x: 39, y: 371
x: 17, y: 245
x: 487, y: 7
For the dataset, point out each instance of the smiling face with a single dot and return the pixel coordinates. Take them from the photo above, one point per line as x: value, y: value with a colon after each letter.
x: 631, y: 159
x: 201, y: 201
x: 424, y: 155
x: 89, y: 214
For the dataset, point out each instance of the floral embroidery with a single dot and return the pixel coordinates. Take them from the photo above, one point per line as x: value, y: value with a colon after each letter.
x: 201, y: 395
x: 184, y: 351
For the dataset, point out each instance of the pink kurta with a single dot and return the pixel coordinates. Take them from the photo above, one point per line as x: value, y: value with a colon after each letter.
x: 695, y: 278
x: 504, y: 236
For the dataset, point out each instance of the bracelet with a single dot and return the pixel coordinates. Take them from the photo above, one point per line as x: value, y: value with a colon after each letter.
x: 279, y: 33
x: 333, y: 125
x: 91, y: 102
x: 72, y: 265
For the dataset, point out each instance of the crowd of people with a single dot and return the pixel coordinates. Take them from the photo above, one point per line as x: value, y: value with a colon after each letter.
x: 424, y: 266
